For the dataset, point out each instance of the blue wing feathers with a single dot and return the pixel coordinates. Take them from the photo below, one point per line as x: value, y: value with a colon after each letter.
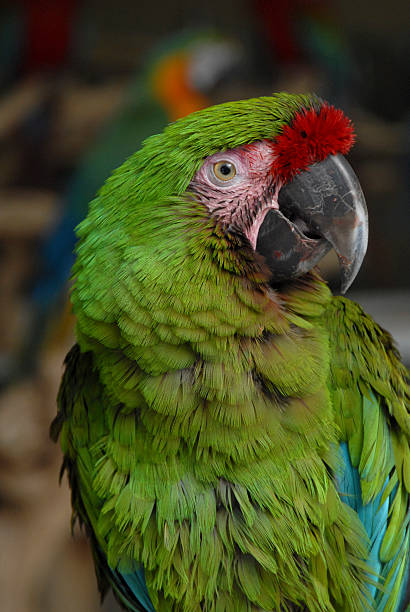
x: 136, y: 583
x: 374, y: 516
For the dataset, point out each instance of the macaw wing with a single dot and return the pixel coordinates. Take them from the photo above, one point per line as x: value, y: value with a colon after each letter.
x: 371, y: 402
x: 79, y: 426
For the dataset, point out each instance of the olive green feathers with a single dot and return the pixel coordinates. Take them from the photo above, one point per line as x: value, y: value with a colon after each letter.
x: 202, y: 410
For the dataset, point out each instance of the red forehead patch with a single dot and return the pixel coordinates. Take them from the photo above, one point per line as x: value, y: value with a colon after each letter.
x: 312, y: 136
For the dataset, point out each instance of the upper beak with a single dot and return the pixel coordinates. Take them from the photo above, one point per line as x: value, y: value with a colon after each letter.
x: 322, y: 207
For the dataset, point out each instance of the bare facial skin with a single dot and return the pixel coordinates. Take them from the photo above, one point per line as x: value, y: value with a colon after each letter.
x: 240, y: 191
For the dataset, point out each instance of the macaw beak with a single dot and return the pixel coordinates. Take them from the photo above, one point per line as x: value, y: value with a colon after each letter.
x: 321, y: 208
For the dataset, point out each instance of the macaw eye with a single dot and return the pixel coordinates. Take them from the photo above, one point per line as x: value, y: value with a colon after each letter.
x: 224, y: 170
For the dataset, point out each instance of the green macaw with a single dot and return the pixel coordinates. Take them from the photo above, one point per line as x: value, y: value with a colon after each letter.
x: 236, y: 438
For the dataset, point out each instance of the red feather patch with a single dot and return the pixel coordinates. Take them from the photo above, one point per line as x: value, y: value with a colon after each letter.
x: 312, y: 136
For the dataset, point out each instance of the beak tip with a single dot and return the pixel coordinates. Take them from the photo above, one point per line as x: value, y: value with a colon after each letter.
x: 344, y: 286
x: 348, y: 274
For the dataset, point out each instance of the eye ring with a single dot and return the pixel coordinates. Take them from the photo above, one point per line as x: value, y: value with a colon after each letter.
x: 224, y: 170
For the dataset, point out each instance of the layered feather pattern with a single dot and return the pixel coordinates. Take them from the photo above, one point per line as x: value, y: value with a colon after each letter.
x: 201, y: 411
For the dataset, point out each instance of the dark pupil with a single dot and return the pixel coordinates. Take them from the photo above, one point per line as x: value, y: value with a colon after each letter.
x: 225, y: 169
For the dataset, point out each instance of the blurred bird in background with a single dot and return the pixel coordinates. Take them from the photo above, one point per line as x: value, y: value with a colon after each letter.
x: 178, y: 77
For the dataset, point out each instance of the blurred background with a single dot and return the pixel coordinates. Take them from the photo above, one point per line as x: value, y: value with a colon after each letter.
x: 82, y: 83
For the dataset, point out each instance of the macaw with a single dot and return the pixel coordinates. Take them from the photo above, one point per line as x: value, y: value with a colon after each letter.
x: 235, y: 437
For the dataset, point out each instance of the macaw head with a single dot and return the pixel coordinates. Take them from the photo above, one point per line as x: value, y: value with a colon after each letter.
x: 292, y: 195
x: 269, y: 172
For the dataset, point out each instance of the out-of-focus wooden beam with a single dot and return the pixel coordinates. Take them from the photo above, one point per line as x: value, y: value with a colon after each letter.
x: 26, y: 213
x: 20, y: 101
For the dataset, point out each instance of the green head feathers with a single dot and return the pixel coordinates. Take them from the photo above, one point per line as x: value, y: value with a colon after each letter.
x: 166, y: 162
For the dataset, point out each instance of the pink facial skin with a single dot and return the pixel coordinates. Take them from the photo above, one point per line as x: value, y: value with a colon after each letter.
x: 242, y: 202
